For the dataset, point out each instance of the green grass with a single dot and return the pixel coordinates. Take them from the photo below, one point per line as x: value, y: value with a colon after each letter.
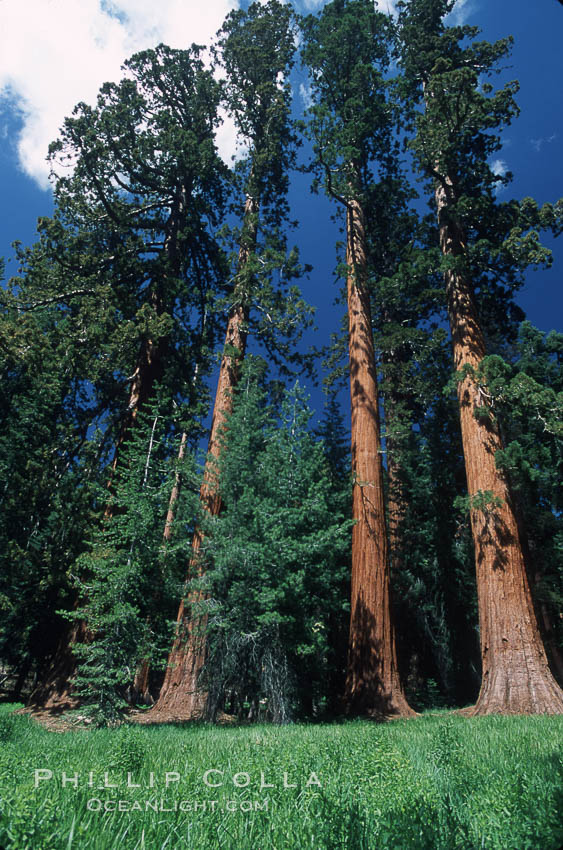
x: 437, y: 782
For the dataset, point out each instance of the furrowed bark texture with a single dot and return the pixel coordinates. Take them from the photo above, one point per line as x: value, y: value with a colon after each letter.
x: 180, y: 696
x: 516, y: 675
x: 373, y: 686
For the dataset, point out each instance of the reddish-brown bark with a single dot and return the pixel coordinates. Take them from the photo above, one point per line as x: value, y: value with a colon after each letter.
x: 395, y: 497
x: 181, y: 697
x: 373, y: 685
x: 516, y: 676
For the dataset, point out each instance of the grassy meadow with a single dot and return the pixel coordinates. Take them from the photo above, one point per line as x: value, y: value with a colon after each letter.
x: 438, y: 782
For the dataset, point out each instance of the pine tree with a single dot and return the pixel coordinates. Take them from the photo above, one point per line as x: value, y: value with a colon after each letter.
x: 47, y: 462
x: 482, y: 243
x: 127, y: 577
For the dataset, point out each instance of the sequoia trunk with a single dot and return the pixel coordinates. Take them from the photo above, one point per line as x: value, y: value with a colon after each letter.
x: 181, y: 697
x: 55, y: 691
x: 373, y: 686
x: 516, y: 676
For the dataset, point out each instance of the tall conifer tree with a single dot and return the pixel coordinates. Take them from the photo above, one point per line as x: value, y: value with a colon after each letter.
x: 347, y: 52
x: 255, y: 48
x: 485, y: 245
x: 133, y: 225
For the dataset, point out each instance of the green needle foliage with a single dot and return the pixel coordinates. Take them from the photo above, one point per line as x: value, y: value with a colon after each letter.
x: 456, y: 135
x: 129, y: 576
x: 107, y: 337
x: 48, y: 461
x: 350, y: 121
x: 276, y: 557
x: 255, y: 50
x: 526, y: 394
x: 136, y: 217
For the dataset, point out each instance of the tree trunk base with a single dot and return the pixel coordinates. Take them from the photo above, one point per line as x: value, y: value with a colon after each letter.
x: 180, y: 698
x: 139, y: 692
x: 390, y: 706
x: 179, y: 706
x: 503, y: 695
x: 55, y: 691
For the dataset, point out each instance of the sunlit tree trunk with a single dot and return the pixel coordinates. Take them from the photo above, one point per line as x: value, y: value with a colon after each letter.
x: 373, y: 686
x: 516, y: 676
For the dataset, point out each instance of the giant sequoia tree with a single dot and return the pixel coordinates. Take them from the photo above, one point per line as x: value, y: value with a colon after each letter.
x: 145, y: 191
x: 106, y: 347
x: 347, y: 52
x: 485, y: 246
x: 422, y: 447
x: 255, y: 48
x: 133, y: 228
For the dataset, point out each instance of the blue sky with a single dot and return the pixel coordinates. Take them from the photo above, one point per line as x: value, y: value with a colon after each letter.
x: 54, y: 53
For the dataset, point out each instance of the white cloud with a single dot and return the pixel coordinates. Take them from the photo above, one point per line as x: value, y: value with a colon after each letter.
x: 537, y: 144
x: 312, y: 5
x: 306, y: 95
x: 460, y: 13
x: 55, y: 53
x: 389, y: 7
x: 499, y: 167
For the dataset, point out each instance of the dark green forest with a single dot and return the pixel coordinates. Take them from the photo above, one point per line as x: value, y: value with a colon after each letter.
x: 179, y: 529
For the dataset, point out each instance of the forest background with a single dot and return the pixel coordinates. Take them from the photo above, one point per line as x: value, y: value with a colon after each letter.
x: 436, y: 603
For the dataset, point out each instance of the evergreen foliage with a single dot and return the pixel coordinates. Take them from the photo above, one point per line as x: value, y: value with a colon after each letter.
x: 526, y: 396
x: 255, y: 50
x: 276, y: 560
x: 129, y: 576
x: 48, y: 461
